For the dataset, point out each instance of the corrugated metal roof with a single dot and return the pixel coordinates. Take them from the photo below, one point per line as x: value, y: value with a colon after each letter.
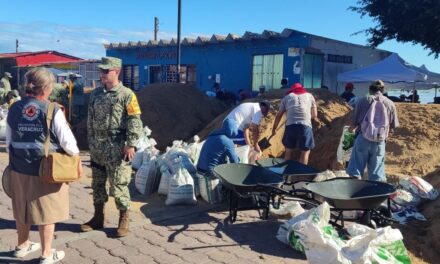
x: 24, y: 59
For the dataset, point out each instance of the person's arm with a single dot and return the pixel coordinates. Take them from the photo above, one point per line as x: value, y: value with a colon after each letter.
x: 134, y: 127
x: 90, y: 114
x: 246, y: 135
x: 231, y: 153
x: 277, y: 121
x: 255, y: 136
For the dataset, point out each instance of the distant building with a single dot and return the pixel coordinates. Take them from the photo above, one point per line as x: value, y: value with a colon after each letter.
x: 61, y: 64
x: 245, y: 62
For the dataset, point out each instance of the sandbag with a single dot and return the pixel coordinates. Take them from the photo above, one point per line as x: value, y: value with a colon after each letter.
x: 145, y: 177
x: 419, y: 187
x: 345, y: 146
x: 210, y: 188
x: 181, y: 188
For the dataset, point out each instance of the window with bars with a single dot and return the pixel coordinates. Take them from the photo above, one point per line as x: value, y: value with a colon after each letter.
x: 340, y: 58
x: 130, y: 76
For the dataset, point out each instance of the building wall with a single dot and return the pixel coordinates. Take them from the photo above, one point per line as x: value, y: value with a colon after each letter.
x: 362, y: 56
x: 233, y: 60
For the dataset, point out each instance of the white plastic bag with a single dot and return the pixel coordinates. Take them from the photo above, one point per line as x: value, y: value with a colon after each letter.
x: 181, y: 188
x: 420, y: 187
x: 164, y: 180
x: 345, y: 145
x: 210, y: 189
x: 146, y: 176
x: 243, y: 153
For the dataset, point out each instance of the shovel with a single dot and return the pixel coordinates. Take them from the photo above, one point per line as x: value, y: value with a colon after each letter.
x: 264, y: 143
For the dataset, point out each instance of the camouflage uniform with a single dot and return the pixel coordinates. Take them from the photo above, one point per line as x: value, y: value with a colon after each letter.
x: 113, y: 122
x: 5, y: 87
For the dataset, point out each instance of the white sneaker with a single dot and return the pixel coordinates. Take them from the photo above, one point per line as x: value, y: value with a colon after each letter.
x: 54, y: 257
x: 22, y: 252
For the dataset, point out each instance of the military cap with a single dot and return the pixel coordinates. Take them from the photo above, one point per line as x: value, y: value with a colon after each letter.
x: 7, y: 74
x: 110, y: 63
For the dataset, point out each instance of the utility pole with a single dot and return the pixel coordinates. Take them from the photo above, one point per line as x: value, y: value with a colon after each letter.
x: 18, y: 68
x: 156, y: 27
x: 179, y: 9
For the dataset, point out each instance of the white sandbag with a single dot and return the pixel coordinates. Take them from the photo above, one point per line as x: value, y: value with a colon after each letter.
x: 3, y: 129
x: 181, y: 188
x: 210, y: 189
x: 144, y: 142
x: 243, y: 153
x: 164, y: 181
x: 289, y: 208
x: 146, y: 176
x: 320, y: 240
x: 382, y: 246
x: 193, y: 149
x: 283, y: 230
x: 325, y: 175
x: 420, y: 187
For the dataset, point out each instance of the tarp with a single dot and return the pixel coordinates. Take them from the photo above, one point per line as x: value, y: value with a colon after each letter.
x: 392, y: 69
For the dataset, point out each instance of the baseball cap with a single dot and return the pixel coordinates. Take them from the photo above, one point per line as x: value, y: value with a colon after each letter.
x: 265, y: 103
x: 349, y: 86
x: 8, y: 74
x: 110, y: 63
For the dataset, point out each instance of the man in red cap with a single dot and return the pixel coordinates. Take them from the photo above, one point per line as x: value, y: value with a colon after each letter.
x: 348, y: 94
x: 300, y: 109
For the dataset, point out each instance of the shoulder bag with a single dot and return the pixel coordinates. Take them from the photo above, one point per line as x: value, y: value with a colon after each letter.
x: 57, y: 167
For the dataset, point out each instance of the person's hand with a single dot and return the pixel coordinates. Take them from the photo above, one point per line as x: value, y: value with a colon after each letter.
x: 80, y: 169
x: 352, y: 128
x: 128, y: 153
x: 258, y: 149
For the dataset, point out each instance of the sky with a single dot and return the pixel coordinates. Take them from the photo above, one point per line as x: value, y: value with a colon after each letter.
x: 80, y: 28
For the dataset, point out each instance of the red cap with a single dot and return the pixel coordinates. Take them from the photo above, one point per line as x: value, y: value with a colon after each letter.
x: 297, y: 85
x: 349, y: 86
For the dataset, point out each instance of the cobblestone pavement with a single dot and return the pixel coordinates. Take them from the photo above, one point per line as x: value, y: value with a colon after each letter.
x: 159, y: 233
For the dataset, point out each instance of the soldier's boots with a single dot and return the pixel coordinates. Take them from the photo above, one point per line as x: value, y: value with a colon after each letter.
x: 123, y: 224
x: 97, y: 222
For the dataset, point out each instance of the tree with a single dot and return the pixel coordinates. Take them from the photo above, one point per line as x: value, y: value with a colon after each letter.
x: 415, y: 21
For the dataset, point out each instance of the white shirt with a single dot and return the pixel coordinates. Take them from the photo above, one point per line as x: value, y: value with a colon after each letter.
x: 61, y: 130
x: 245, y: 114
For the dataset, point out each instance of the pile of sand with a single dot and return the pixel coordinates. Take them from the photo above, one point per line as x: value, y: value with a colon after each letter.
x: 172, y: 111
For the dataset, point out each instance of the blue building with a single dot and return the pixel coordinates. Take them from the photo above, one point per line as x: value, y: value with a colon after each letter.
x: 245, y: 62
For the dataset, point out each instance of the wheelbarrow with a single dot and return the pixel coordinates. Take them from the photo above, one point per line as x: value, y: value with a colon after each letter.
x: 292, y: 171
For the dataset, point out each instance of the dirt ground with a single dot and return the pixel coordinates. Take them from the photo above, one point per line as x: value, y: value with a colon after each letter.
x: 413, y: 149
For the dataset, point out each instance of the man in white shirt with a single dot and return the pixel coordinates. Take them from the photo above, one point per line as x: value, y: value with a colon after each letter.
x: 300, y: 107
x: 248, y: 117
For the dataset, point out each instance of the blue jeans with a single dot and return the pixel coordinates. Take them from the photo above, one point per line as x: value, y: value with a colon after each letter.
x: 370, y: 154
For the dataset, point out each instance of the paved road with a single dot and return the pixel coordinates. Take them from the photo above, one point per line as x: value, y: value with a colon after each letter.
x: 159, y: 234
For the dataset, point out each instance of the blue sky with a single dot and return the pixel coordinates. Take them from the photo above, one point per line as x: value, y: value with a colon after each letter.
x: 81, y: 27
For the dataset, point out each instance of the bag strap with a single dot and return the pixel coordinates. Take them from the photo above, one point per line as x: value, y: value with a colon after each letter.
x: 49, y: 118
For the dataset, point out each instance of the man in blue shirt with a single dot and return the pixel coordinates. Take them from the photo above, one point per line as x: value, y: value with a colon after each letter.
x: 217, y: 147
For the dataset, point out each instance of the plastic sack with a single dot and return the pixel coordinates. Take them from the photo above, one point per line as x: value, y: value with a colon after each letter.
x: 320, y: 241
x: 193, y: 149
x: 382, y: 246
x: 164, y: 180
x: 3, y: 129
x: 289, y: 208
x: 243, y: 153
x: 143, y: 143
x: 145, y: 177
x: 181, y: 188
x: 298, y: 214
x: 210, y: 189
x: 345, y: 145
x: 405, y: 198
x: 420, y: 187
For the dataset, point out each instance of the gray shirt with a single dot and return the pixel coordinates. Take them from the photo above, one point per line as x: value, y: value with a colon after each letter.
x: 363, y: 105
x: 298, y: 108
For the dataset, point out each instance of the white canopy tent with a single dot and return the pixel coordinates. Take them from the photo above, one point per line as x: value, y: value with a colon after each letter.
x: 392, y: 69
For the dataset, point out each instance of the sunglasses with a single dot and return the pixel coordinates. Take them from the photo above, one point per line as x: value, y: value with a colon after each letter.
x: 106, y: 71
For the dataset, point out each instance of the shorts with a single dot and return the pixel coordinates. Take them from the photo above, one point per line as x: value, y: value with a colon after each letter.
x: 297, y: 135
x: 239, y: 139
x: 35, y: 202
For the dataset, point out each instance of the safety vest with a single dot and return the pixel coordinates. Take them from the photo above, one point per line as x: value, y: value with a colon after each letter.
x: 27, y: 120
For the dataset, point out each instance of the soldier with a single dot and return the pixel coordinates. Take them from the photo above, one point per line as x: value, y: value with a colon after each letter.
x: 5, y: 86
x: 114, y: 127
x: 77, y: 97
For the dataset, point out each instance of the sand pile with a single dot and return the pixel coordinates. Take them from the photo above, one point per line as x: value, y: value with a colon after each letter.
x: 172, y: 111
